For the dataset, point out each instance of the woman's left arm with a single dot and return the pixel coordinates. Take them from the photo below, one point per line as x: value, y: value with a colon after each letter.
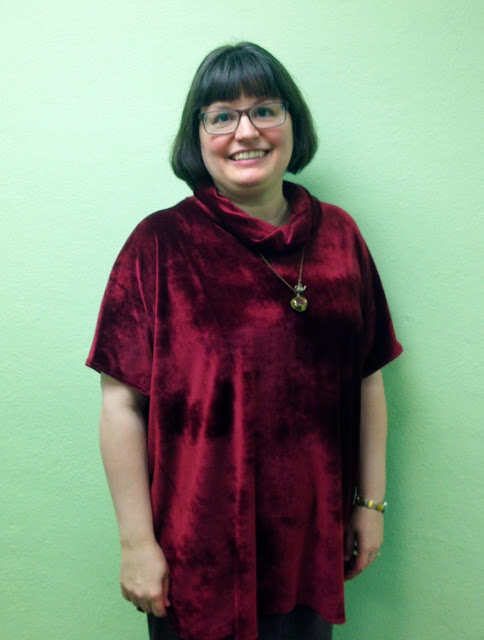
x: 364, y: 533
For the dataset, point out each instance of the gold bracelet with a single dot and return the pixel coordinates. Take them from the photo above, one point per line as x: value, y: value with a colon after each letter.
x: 370, y: 504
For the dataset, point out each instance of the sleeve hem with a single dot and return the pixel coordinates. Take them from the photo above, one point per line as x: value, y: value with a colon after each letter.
x: 383, y: 361
x: 117, y: 375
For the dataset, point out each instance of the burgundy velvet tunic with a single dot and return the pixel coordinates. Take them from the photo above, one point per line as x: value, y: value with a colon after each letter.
x: 254, y: 408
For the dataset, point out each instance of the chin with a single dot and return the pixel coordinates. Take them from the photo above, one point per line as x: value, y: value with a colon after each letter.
x: 252, y: 181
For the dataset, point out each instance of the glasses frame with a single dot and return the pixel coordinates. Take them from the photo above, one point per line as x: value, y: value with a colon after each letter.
x: 241, y: 112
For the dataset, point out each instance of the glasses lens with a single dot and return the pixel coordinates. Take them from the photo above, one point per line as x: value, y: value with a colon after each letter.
x: 221, y: 121
x: 264, y: 116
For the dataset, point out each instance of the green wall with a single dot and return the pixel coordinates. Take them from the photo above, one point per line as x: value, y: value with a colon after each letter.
x: 92, y: 92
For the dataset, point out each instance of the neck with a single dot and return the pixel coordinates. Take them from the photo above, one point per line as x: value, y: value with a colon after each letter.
x: 272, y: 208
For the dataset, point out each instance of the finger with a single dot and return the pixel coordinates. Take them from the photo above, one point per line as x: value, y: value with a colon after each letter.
x: 125, y: 594
x: 361, y: 561
x: 145, y: 605
x: 351, y: 573
x: 161, y: 601
x: 166, y: 589
x: 364, y: 560
x: 354, y: 569
x: 130, y: 597
x: 158, y: 607
x: 349, y: 545
x: 134, y: 600
x: 374, y: 556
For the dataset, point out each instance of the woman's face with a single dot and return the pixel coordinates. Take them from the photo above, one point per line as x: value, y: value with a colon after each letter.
x: 237, y: 175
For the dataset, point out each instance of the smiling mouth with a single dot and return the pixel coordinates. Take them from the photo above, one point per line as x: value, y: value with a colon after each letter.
x: 249, y: 155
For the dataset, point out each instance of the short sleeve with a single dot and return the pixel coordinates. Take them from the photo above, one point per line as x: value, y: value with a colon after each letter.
x: 123, y: 341
x: 380, y: 345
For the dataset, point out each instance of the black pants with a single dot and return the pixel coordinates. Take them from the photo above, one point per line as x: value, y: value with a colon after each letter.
x: 301, y: 624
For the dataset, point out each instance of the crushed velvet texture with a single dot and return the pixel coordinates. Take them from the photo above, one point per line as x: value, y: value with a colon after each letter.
x: 254, y: 408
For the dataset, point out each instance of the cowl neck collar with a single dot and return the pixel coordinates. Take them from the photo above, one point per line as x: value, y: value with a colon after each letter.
x: 259, y: 234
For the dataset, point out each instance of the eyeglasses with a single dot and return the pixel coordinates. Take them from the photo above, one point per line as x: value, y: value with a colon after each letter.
x: 262, y: 116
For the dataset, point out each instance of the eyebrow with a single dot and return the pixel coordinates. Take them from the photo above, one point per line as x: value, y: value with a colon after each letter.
x: 227, y: 105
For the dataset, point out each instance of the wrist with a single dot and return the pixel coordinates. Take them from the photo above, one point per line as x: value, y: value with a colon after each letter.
x: 370, y: 503
x: 135, y: 539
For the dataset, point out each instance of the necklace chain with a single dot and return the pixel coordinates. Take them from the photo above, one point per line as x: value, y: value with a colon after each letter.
x: 298, y: 303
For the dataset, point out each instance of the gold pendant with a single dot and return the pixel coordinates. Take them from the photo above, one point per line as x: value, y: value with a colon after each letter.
x: 299, y: 303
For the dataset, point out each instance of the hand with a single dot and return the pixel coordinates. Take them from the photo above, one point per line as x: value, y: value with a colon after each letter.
x: 145, y: 577
x: 363, y: 539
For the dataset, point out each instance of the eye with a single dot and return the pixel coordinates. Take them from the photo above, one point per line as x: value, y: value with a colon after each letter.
x: 264, y: 111
x: 220, y: 118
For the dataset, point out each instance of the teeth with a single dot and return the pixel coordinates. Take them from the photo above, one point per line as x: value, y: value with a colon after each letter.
x: 248, y: 155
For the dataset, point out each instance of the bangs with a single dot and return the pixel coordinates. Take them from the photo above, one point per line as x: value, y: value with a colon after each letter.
x: 231, y: 76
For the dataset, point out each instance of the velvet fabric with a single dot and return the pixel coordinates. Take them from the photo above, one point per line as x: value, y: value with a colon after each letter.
x: 300, y: 624
x: 254, y: 408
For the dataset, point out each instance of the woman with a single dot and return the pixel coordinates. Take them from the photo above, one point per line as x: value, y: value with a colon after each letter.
x: 240, y: 342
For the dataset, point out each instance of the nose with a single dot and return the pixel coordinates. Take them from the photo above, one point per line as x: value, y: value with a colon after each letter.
x: 246, y: 130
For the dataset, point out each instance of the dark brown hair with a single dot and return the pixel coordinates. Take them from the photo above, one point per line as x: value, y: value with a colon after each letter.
x: 225, y: 74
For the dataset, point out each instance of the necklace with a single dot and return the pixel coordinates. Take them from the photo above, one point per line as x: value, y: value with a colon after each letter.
x: 299, y: 302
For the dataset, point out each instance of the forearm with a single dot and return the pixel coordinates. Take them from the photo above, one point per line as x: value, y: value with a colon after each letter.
x: 364, y: 532
x: 123, y: 449
x: 373, y: 436
x: 144, y: 574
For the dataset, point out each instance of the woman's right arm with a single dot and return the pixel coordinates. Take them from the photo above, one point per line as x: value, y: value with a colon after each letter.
x: 122, y: 432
